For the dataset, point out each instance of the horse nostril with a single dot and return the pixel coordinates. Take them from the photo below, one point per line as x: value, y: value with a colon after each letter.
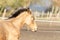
x: 35, y: 31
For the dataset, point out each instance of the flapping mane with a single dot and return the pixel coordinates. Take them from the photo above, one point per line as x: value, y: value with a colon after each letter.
x: 19, y: 11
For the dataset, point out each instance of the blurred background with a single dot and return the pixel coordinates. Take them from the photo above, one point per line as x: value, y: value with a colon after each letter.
x: 8, y: 7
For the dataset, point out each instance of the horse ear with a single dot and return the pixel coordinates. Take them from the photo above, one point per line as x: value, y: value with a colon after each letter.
x: 28, y: 8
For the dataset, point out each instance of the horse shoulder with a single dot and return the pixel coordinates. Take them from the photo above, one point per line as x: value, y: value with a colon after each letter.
x: 2, y: 33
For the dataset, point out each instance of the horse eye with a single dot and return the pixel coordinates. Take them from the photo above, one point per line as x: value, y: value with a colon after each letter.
x: 32, y: 18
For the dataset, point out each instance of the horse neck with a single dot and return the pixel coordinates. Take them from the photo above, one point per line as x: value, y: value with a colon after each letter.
x: 18, y: 22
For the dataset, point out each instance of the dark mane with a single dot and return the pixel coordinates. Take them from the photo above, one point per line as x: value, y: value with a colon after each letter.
x: 19, y: 11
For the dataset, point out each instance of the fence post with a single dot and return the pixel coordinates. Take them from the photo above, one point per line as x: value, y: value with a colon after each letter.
x: 4, y: 14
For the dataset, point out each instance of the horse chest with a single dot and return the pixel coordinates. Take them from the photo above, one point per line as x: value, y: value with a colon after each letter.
x: 10, y: 31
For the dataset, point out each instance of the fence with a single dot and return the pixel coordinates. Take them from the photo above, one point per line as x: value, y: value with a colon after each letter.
x: 53, y: 16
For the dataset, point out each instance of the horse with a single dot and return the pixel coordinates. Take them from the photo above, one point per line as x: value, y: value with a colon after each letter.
x: 10, y: 29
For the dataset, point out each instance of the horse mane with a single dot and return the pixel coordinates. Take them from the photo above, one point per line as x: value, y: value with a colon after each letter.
x: 19, y: 11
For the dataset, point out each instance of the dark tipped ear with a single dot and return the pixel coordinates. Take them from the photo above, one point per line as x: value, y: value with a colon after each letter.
x: 28, y: 8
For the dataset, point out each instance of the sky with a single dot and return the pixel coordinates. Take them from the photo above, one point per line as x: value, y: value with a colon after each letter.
x: 42, y: 6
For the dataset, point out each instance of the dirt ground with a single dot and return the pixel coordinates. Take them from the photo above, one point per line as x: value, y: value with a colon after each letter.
x: 40, y: 35
x: 45, y: 31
